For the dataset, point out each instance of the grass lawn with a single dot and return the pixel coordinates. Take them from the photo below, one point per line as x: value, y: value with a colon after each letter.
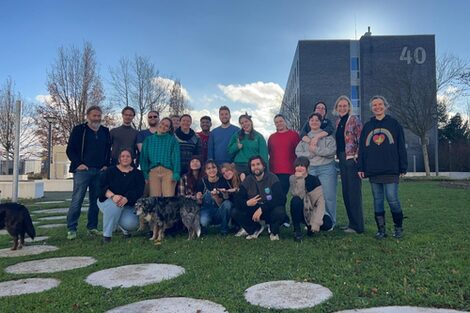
x: 429, y: 267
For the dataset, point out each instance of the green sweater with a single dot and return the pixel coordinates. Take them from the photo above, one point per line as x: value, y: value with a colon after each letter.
x: 160, y: 150
x: 250, y: 148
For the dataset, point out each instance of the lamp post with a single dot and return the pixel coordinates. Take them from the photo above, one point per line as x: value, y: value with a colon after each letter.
x: 50, y: 120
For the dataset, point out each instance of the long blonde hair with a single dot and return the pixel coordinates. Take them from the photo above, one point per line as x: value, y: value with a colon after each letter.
x: 235, y: 182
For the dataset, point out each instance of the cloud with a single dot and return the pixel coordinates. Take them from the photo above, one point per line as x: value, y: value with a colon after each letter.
x: 43, y: 98
x: 168, y: 83
x: 265, y: 100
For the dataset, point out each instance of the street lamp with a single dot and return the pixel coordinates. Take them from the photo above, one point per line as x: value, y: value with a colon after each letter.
x: 50, y: 120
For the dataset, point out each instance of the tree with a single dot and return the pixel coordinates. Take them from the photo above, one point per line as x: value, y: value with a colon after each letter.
x: 136, y: 84
x: 177, y: 103
x: 456, y: 130
x: 28, y: 142
x: 74, y: 85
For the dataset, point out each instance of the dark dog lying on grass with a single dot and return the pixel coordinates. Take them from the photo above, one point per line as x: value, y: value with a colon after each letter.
x: 162, y: 213
x: 16, y: 219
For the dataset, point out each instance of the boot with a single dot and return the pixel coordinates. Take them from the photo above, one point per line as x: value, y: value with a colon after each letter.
x: 380, y: 220
x: 398, y: 221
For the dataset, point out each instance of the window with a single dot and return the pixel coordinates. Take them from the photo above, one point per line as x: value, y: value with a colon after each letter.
x: 354, y: 64
x: 354, y: 92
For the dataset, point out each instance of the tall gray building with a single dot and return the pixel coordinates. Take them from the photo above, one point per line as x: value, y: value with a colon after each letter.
x: 401, y: 68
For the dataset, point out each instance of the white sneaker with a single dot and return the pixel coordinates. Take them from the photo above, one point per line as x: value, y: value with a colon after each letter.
x: 256, y: 233
x: 241, y: 233
x: 273, y: 237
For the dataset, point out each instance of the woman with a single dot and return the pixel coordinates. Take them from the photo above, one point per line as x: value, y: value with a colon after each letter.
x: 234, y: 180
x: 246, y: 143
x: 307, y: 205
x: 189, y: 142
x: 160, y: 160
x: 321, y: 154
x: 326, y: 124
x: 383, y: 159
x: 215, y: 206
x: 121, y: 186
x: 348, y: 132
x: 188, y: 183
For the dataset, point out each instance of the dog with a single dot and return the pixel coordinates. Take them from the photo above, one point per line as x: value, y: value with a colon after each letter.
x: 162, y: 213
x: 16, y: 219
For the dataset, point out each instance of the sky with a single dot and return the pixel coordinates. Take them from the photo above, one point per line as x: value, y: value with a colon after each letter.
x: 235, y: 53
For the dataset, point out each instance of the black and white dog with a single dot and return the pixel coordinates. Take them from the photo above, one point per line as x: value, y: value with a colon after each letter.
x: 162, y: 213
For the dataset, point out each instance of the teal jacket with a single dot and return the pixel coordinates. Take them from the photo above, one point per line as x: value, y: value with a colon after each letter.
x: 251, y: 147
x: 160, y: 150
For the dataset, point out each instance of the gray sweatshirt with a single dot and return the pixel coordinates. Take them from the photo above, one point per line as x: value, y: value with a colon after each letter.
x: 323, y: 154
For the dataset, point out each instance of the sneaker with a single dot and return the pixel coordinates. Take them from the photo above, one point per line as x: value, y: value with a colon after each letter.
x: 274, y: 237
x: 298, y: 236
x: 241, y: 233
x: 380, y: 235
x: 94, y: 232
x: 256, y: 233
x: 398, y: 233
x: 344, y: 227
x: 71, y: 235
x: 106, y: 239
x: 125, y: 233
x: 286, y: 224
x: 350, y: 231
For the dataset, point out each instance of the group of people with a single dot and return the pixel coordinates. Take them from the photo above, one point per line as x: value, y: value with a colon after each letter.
x: 240, y: 181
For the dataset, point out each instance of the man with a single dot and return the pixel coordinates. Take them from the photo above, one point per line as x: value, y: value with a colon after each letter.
x: 260, y: 198
x: 205, y: 123
x: 175, y: 119
x: 281, y: 148
x: 153, y: 118
x: 189, y: 142
x: 124, y: 136
x: 89, y: 152
x: 219, y: 138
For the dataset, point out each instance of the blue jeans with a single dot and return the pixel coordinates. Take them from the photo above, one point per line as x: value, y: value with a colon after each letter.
x: 114, y: 216
x: 83, y: 180
x: 211, y: 214
x: 329, y: 179
x: 388, y: 190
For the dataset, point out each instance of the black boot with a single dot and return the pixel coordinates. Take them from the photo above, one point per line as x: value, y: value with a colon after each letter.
x: 380, y: 220
x: 297, y: 233
x: 398, y: 221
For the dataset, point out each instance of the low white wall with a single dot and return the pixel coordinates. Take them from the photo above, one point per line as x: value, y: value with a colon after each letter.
x: 58, y: 185
x: 453, y: 175
x: 26, y: 189
x: 9, y: 178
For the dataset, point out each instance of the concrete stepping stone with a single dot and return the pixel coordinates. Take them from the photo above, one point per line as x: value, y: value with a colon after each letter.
x: 171, y: 305
x: 401, y: 309
x: 134, y: 275
x: 287, y: 294
x: 27, y: 250
x: 47, y: 226
x: 51, y: 265
x: 25, y: 286
x: 57, y: 211
x: 49, y: 202
x: 36, y: 239
x: 52, y: 218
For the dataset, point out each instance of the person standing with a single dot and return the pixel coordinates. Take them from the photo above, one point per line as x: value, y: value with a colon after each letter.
x: 260, y: 198
x: 245, y: 143
x: 383, y: 159
x: 88, y: 150
x: 348, y: 132
x: 160, y: 160
x: 219, y: 138
x: 189, y: 142
x: 121, y: 185
x: 322, y: 162
x: 175, y: 119
x: 326, y: 124
x: 205, y: 123
x: 124, y: 136
x: 153, y: 118
x: 281, y: 148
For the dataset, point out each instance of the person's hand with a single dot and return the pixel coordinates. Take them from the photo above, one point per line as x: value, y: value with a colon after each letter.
x: 257, y: 215
x: 239, y: 145
x: 214, y: 192
x: 116, y: 199
x: 314, y: 141
x: 306, y: 139
x: 82, y: 167
x: 199, y: 197
x: 122, y: 202
x: 361, y: 175
x: 312, y: 147
x: 253, y: 201
x: 298, y: 174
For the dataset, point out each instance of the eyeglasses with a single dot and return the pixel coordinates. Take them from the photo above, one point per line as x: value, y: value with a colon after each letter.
x: 153, y: 116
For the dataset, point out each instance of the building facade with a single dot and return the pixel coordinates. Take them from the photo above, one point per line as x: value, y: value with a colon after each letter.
x: 401, y: 68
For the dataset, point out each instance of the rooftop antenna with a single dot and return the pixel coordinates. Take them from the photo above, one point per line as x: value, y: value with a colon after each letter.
x: 355, y: 28
x: 368, y: 32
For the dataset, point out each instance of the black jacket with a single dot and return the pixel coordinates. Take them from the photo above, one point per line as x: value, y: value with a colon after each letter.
x: 382, y: 148
x: 130, y: 185
x: 79, y: 146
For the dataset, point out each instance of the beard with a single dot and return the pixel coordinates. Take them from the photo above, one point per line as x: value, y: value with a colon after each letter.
x: 259, y: 172
x: 94, y: 125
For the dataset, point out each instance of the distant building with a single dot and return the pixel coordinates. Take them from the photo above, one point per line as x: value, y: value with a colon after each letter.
x: 360, y: 69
